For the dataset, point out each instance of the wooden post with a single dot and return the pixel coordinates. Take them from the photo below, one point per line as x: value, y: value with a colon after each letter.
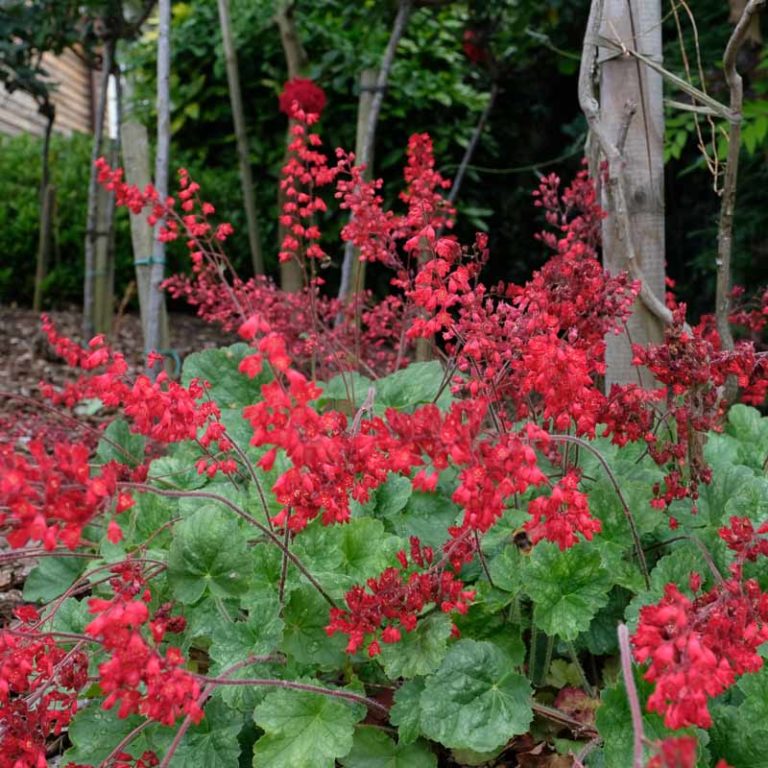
x: 157, y: 268
x: 243, y: 154
x: 91, y: 226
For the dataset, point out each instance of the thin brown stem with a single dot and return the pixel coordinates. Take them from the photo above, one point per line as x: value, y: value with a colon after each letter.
x: 273, y: 538
x: 617, y: 488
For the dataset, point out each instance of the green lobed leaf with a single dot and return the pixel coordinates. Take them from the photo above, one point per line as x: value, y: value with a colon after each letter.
x: 425, y: 515
x: 229, y: 388
x: 304, y: 730
x: 208, y: 553
x: 119, y: 444
x: 393, y: 495
x: 340, y: 556
x: 406, y: 711
x: 415, y: 385
x: 475, y: 700
x: 568, y: 588
x: 736, y: 739
x: 95, y: 732
x: 674, y: 568
x: 418, y: 652
x: 508, y: 569
x: 754, y: 708
x: 751, y: 430
x: 146, y: 517
x: 72, y: 616
x: 305, y: 639
x: 52, y: 577
x: 213, y: 741
x: 349, y: 389
x: 372, y: 748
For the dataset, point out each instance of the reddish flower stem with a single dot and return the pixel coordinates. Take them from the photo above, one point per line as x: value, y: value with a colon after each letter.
x: 634, y: 701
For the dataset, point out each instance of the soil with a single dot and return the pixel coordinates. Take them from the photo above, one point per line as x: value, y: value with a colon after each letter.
x: 26, y: 359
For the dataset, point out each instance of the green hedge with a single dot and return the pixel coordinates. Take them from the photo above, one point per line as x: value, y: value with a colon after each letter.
x: 70, y: 158
x: 19, y: 220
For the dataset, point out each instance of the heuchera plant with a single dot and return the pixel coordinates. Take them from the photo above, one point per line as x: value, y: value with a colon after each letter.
x: 417, y: 517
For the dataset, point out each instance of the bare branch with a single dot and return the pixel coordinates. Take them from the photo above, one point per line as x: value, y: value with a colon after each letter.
x: 622, y: 48
x: 728, y: 200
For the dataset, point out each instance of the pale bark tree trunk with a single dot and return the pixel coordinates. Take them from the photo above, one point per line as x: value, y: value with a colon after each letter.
x: 103, y: 277
x: 626, y: 84
x: 356, y: 274
x: 291, y: 278
x: 135, y: 150
x: 157, y: 271
x: 350, y: 282
x: 243, y: 154
x: 92, y: 232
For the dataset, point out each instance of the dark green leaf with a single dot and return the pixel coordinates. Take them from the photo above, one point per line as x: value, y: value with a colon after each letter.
x: 305, y: 639
x: 303, y: 730
x: 420, y: 651
x: 415, y: 385
x: 208, y: 553
x: 568, y: 588
x: 475, y: 700
x: 213, y: 742
x: 119, y: 444
x: 406, y: 711
x: 374, y: 749
x: 52, y: 577
x: 229, y: 387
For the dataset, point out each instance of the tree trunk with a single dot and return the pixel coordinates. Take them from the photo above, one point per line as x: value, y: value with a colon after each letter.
x: 352, y: 268
x: 364, y: 151
x: 44, y: 245
x: 291, y: 278
x: 624, y: 81
x: 243, y: 154
x: 47, y: 200
x: 92, y: 232
x: 157, y: 269
x: 135, y: 150
x: 103, y: 287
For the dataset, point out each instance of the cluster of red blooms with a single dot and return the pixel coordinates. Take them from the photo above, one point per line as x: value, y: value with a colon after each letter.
x: 306, y: 169
x: 40, y: 682
x: 396, y: 599
x: 562, y: 515
x: 475, y: 46
x: 332, y: 463
x: 678, y: 752
x: 39, y: 687
x: 697, y: 647
x: 329, y: 463
x: 536, y: 348
x: 138, y: 676
x: 161, y: 409
x: 693, y: 371
x: 531, y: 352
x: 303, y: 94
x: 51, y: 495
x: 750, y: 315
